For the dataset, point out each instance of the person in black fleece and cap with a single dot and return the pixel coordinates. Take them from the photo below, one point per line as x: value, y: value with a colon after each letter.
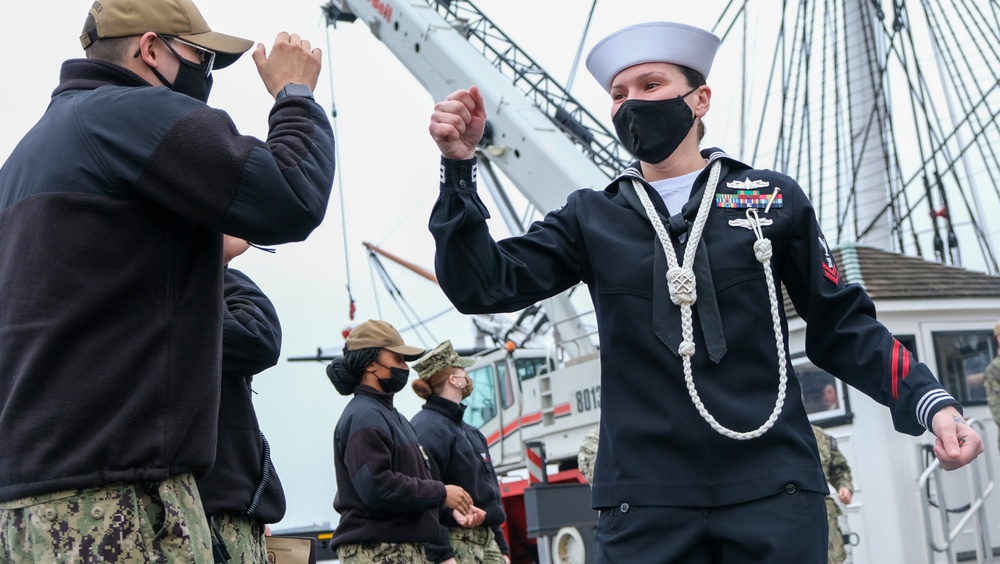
x: 387, y: 499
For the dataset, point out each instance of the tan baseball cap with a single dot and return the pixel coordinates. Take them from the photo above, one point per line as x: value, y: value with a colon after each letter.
x: 375, y: 333
x: 441, y: 357
x: 176, y: 18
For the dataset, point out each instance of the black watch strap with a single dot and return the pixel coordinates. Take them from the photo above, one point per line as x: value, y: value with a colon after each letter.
x: 292, y: 89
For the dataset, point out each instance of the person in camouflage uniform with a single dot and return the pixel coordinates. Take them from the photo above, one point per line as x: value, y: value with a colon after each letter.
x: 991, y: 380
x: 458, y: 454
x: 838, y: 474
x: 379, y: 552
x: 588, y: 454
x: 131, y: 523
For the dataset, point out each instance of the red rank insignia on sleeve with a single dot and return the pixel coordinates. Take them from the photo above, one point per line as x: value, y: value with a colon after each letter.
x: 828, y: 265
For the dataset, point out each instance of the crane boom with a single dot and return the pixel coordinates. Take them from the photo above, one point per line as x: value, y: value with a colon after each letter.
x: 545, y: 157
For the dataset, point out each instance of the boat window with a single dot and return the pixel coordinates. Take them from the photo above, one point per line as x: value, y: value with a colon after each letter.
x: 506, y: 387
x: 962, y: 357
x: 528, y: 368
x: 482, y: 403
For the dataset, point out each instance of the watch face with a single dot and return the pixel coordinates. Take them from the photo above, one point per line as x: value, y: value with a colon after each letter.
x: 296, y: 90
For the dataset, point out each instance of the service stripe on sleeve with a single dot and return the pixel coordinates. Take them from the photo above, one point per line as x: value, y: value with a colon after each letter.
x: 927, y: 403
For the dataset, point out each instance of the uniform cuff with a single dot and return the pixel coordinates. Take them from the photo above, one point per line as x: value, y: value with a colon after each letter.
x: 459, y: 177
x: 933, y: 402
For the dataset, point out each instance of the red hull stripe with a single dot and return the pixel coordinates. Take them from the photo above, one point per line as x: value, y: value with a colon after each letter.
x: 531, y: 419
x: 528, y: 420
x: 493, y: 439
x: 509, y: 429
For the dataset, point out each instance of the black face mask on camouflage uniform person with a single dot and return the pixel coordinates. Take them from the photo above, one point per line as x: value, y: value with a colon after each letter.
x: 189, y: 81
x: 193, y: 79
x: 653, y: 129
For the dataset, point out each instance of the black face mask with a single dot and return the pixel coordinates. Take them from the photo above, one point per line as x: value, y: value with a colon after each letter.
x: 191, y: 80
x: 653, y: 129
x: 396, y: 380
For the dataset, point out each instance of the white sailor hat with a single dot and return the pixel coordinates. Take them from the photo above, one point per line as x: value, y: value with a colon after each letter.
x: 653, y: 42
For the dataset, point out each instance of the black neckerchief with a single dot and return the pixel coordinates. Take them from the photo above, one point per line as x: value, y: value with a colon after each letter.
x: 666, y: 314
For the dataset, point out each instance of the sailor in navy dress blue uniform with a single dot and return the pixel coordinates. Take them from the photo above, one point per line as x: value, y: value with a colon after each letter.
x: 703, y: 430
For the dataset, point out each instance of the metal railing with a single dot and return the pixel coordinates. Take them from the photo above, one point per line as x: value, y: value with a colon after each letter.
x: 974, y: 513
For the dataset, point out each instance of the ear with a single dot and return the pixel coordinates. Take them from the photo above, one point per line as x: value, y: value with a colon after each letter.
x: 703, y: 100
x: 149, y: 48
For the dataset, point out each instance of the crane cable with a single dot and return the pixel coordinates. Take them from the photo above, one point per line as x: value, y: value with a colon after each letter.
x: 340, y: 177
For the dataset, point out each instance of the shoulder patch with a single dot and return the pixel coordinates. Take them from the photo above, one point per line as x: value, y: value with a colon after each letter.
x: 829, y: 266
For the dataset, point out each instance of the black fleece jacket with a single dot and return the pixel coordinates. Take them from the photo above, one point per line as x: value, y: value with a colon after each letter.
x: 459, y: 455
x: 111, y: 210
x: 385, y: 492
x: 251, y: 343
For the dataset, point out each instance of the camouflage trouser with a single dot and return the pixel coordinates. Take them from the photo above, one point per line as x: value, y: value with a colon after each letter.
x: 475, y: 546
x: 132, y: 523
x: 837, y: 552
x: 242, y: 537
x: 587, y: 455
x: 382, y: 553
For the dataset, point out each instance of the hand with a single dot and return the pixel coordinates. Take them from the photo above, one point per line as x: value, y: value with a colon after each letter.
x: 267, y: 530
x: 845, y: 494
x: 957, y: 444
x: 457, y: 499
x: 479, y: 516
x: 233, y: 247
x: 292, y: 60
x: 506, y: 559
x: 475, y: 517
x: 458, y: 122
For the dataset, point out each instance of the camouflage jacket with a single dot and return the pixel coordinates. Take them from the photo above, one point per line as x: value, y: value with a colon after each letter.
x: 835, y: 467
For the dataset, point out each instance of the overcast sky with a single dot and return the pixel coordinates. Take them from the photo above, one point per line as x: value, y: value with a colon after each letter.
x: 387, y: 177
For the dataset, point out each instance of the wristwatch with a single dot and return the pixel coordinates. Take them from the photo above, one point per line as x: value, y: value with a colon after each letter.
x: 292, y: 89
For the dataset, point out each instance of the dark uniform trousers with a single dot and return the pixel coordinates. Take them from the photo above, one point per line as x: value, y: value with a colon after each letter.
x: 781, y: 529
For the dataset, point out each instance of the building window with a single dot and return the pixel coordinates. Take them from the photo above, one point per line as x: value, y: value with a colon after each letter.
x: 824, y: 396
x: 962, y: 357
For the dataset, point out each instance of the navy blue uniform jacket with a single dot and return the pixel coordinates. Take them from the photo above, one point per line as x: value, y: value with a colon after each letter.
x: 656, y: 450
x: 459, y: 455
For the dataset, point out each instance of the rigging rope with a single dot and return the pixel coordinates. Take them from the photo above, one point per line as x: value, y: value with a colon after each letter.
x: 413, y: 319
x: 340, y: 177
